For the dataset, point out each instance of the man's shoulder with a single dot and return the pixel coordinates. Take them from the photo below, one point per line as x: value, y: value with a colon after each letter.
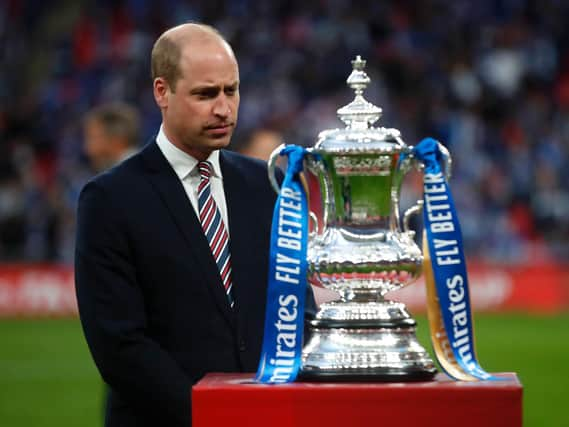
x: 127, y: 170
x: 245, y: 165
x: 245, y: 162
x: 119, y: 180
x: 254, y: 170
x: 114, y: 176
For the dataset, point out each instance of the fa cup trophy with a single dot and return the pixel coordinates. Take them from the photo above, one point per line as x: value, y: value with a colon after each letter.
x: 362, y: 248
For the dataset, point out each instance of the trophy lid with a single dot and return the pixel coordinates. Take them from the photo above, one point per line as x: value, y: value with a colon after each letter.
x: 359, y: 135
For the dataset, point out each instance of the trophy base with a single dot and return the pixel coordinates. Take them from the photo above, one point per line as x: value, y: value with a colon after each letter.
x: 372, y: 341
x: 368, y: 375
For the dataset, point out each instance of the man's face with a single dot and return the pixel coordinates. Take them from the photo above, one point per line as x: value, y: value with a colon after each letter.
x: 199, y: 116
x: 97, y: 145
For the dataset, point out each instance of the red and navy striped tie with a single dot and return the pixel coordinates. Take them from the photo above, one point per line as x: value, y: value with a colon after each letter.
x: 214, y: 229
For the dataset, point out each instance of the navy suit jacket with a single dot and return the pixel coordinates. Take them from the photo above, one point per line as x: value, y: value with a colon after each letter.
x: 153, y: 309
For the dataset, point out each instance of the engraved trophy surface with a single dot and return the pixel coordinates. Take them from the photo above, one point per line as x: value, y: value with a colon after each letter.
x: 362, y: 248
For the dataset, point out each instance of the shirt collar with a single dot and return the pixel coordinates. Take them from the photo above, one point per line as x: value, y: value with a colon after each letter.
x: 182, y: 163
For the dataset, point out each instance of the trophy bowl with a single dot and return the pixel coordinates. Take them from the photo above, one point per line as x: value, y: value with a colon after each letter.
x: 362, y: 248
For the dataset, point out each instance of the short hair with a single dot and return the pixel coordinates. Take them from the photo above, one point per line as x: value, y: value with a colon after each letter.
x: 117, y: 119
x: 166, y: 53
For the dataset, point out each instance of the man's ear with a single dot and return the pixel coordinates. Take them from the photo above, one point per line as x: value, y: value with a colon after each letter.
x: 161, y: 92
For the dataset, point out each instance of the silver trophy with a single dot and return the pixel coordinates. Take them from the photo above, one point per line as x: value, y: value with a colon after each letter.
x: 361, y: 248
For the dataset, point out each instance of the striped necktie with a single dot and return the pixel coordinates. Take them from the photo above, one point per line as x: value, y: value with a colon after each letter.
x: 214, y: 229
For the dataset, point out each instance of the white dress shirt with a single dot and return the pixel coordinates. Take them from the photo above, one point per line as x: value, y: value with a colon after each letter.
x: 186, y: 167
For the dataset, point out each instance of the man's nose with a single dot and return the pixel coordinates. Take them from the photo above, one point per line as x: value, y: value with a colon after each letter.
x: 222, y: 107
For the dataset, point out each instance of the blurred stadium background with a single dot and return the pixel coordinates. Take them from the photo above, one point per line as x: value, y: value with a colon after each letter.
x: 490, y: 79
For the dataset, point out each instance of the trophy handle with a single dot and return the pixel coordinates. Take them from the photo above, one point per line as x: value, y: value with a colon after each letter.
x: 447, y: 161
x: 417, y: 208
x: 271, y: 168
x: 315, y: 229
x: 272, y: 164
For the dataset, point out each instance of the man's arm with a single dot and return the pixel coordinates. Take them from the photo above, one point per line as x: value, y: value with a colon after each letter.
x: 112, y: 311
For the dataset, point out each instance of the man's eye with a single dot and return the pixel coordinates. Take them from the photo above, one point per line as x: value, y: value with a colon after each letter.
x: 207, y: 94
x: 230, y: 91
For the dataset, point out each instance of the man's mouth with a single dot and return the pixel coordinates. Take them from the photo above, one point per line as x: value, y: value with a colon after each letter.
x: 218, y: 129
x: 218, y: 126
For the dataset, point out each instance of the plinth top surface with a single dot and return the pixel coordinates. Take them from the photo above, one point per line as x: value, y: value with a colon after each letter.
x: 244, y: 382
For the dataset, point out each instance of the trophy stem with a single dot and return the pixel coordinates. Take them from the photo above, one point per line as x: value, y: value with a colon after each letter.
x: 360, y: 295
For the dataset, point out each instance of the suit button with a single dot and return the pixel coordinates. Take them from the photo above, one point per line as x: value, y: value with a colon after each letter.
x: 242, y: 346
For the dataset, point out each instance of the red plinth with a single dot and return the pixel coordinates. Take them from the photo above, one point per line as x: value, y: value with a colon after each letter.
x: 232, y: 399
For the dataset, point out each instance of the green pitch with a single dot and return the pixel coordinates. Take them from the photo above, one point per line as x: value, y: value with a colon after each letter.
x: 47, y: 377
x: 537, y: 349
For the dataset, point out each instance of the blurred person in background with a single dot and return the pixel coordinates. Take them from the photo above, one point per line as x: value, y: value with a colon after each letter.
x: 111, y: 134
x: 261, y: 143
x: 162, y: 302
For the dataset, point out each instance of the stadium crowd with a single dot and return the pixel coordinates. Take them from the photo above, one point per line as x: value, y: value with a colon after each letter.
x: 490, y: 79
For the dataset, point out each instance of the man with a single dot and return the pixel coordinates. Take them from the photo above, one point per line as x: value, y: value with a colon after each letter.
x: 162, y: 301
x: 110, y: 134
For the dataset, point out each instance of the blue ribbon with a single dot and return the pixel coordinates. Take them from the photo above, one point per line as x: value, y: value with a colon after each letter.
x: 284, y: 316
x: 447, y: 256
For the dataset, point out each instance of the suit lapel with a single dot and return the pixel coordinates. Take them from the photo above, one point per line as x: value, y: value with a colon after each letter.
x: 171, y: 191
x: 239, y: 204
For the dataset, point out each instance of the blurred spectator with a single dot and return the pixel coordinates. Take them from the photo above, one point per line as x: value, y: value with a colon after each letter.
x: 490, y: 79
x: 261, y: 143
x: 111, y: 134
